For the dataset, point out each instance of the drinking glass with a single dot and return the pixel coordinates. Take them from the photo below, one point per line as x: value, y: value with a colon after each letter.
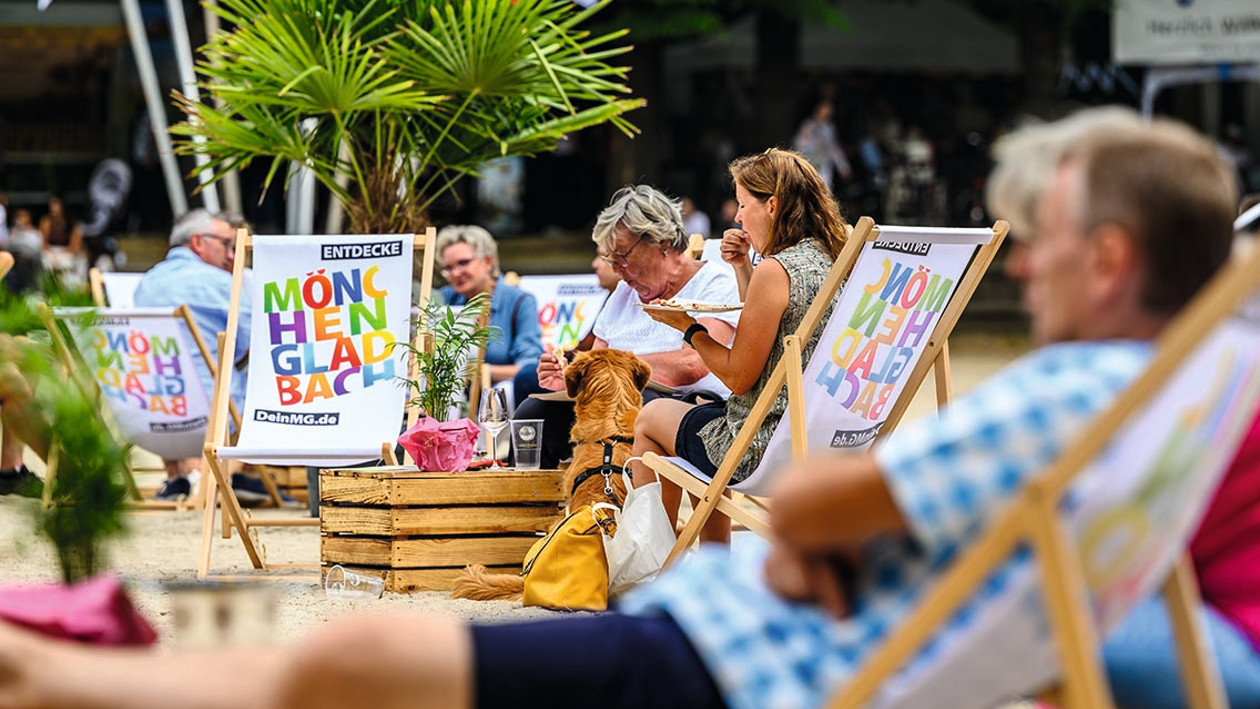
x: 494, y: 418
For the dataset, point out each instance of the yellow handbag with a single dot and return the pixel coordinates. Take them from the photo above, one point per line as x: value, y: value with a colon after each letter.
x: 567, y: 570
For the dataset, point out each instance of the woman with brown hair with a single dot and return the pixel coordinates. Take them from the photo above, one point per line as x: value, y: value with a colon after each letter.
x: 787, y: 214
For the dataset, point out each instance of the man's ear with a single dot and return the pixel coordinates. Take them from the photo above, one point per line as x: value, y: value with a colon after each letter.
x: 1117, y: 263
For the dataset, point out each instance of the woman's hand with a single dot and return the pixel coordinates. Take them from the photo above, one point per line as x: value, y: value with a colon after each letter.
x: 678, y: 320
x: 551, y: 370
x: 735, y: 246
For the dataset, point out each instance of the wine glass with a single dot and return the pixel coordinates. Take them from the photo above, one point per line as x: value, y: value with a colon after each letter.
x: 494, y: 418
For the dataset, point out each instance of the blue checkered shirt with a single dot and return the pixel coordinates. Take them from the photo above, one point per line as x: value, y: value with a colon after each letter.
x: 949, y: 477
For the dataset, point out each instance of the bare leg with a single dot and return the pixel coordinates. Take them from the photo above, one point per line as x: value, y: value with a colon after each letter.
x: 385, y: 663
x: 655, y: 430
x: 10, y: 450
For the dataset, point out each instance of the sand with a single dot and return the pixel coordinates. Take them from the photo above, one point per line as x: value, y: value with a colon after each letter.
x: 163, y: 546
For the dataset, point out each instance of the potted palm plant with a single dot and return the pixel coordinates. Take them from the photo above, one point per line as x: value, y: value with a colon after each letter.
x: 444, y: 439
x: 389, y: 102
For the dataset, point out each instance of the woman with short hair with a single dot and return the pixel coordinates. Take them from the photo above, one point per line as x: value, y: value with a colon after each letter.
x: 469, y: 259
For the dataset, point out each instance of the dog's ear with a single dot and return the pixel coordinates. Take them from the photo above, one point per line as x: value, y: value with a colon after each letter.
x: 574, y: 374
x: 642, y: 373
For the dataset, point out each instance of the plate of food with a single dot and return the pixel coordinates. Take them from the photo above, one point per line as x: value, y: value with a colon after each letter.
x: 692, y: 306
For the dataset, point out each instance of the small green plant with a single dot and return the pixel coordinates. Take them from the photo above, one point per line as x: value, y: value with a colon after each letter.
x: 446, y: 367
x: 62, y: 420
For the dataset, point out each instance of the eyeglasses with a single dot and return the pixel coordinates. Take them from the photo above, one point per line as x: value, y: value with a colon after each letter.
x: 457, y: 266
x: 619, y: 260
x: 229, y: 242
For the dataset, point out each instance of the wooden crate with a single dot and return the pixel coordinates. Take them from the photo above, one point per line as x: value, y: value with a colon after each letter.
x: 420, y: 530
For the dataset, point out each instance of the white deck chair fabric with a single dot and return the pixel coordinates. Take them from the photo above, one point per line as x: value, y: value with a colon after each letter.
x: 567, y: 306
x: 120, y: 288
x: 882, y: 322
x: 1129, y: 513
x: 143, y: 363
x: 323, y: 383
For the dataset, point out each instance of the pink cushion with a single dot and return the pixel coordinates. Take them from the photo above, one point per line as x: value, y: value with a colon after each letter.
x: 95, y: 611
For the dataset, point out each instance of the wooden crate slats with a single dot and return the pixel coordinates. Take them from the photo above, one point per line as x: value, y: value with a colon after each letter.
x: 424, y: 553
x: 436, y: 521
x: 412, y: 489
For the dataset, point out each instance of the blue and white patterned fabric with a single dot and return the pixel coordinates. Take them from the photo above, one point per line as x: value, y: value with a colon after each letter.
x: 949, y: 476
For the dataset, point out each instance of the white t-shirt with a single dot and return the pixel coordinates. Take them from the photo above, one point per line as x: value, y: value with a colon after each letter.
x: 624, y: 326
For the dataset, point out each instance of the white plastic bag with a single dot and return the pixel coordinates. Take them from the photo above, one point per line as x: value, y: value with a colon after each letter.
x: 642, y: 540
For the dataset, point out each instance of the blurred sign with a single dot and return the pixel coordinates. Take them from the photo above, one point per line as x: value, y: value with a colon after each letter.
x: 1186, y: 31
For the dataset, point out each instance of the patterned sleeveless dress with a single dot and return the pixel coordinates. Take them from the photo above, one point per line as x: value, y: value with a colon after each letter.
x: 807, y: 265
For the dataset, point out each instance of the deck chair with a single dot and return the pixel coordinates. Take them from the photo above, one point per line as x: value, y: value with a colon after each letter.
x: 140, y: 362
x: 1101, y: 528
x: 906, y: 287
x: 113, y: 288
x: 323, y: 383
x: 567, y: 306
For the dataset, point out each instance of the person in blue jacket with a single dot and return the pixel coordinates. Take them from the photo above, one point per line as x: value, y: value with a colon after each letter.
x: 469, y: 261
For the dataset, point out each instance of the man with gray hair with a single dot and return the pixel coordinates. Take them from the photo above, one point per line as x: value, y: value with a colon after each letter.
x: 197, y: 272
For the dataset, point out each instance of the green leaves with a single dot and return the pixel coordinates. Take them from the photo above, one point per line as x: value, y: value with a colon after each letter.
x: 445, y: 368
x: 389, y: 102
x: 62, y: 420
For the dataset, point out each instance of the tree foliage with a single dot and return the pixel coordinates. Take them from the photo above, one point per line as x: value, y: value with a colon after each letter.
x: 389, y: 102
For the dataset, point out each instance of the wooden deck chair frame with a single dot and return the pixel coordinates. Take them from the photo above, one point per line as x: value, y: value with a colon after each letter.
x: 234, y: 515
x: 96, y: 284
x: 711, y: 496
x: 1032, y: 520
x: 72, y: 359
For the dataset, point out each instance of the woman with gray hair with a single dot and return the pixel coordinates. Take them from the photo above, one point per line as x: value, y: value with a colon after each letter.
x: 470, y: 263
x: 640, y: 235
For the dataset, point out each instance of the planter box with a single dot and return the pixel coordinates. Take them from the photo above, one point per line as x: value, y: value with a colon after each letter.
x: 419, y: 530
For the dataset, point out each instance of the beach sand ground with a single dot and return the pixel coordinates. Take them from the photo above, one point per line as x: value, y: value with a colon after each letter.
x: 162, y: 547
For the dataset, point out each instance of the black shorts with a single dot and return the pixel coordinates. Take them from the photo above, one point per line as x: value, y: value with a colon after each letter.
x: 687, y: 443
x: 606, y: 661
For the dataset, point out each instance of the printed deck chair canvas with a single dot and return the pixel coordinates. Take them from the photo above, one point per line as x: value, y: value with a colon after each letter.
x: 567, y: 306
x: 323, y: 385
x: 114, y: 288
x: 1022, y: 609
x: 906, y: 287
x: 141, y: 363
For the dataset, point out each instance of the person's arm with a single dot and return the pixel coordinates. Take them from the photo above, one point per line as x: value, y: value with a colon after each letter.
x: 824, y: 509
x: 735, y: 251
x: 740, y: 365
x: 526, y: 344
x: 45, y: 229
x: 76, y: 238
x: 357, y: 661
x: 832, y: 502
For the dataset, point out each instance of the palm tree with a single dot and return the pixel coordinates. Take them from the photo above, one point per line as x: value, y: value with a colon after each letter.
x: 389, y: 102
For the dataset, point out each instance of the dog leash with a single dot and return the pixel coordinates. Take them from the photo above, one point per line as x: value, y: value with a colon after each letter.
x: 606, y: 468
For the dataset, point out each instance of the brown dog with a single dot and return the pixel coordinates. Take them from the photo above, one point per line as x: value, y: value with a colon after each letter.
x: 607, y: 389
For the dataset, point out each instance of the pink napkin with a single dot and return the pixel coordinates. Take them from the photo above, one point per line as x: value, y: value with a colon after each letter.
x: 95, y: 611
x: 441, y: 446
